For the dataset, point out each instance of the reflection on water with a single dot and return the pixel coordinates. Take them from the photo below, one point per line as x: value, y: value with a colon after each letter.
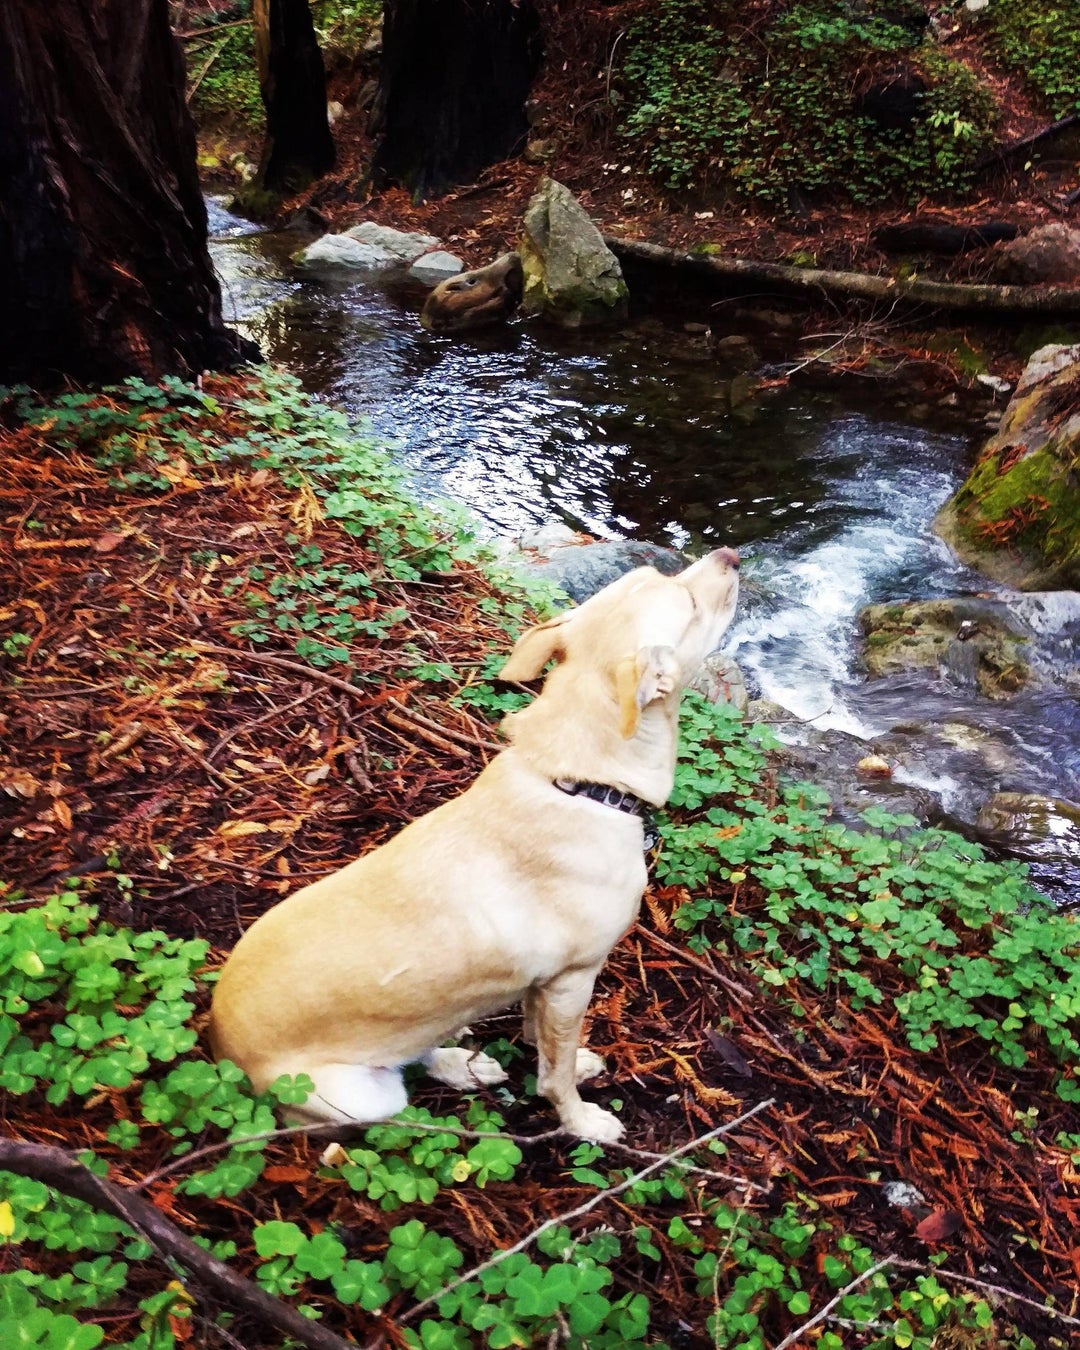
x: 632, y: 434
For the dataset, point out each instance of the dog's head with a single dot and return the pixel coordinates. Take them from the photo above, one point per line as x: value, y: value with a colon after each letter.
x: 624, y: 657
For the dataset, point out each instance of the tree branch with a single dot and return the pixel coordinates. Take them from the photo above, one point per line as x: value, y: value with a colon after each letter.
x: 60, y: 1170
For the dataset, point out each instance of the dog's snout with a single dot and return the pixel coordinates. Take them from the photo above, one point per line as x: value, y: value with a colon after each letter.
x: 729, y: 556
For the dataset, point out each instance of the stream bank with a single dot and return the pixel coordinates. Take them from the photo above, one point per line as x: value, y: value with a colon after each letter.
x: 828, y: 484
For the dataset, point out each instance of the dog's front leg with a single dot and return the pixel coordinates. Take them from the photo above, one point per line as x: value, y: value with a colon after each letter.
x: 556, y: 1011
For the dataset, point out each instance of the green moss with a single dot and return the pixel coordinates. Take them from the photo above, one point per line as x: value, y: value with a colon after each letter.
x: 1033, y: 508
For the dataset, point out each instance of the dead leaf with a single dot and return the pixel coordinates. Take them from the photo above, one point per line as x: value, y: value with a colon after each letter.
x: 728, y: 1052
x: 20, y: 783
x: 259, y: 477
x: 317, y: 774
x: 938, y: 1225
x: 287, y: 1172
x: 237, y: 829
x: 108, y: 541
x: 62, y: 812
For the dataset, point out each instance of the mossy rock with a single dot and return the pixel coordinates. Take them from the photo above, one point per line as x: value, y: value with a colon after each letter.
x: 1017, y: 518
x: 968, y: 638
x: 570, y: 275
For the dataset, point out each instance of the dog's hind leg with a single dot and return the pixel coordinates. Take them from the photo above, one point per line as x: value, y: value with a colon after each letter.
x: 464, y: 1069
x: 350, y: 1094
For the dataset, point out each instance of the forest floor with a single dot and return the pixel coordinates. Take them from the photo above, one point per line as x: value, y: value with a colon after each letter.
x: 164, y: 741
x: 578, y: 129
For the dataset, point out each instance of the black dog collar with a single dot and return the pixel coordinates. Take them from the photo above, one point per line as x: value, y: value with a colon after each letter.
x: 614, y: 797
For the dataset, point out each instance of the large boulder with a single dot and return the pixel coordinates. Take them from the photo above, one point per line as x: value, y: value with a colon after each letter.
x: 571, y: 276
x: 1049, y: 253
x: 1017, y: 518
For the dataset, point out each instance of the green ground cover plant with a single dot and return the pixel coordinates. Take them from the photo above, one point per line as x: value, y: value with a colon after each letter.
x: 1041, y: 42
x: 776, y: 111
x: 97, y: 1017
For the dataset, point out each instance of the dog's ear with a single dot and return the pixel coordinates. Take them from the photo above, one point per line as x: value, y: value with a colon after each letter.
x: 535, y: 648
x: 651, y: 674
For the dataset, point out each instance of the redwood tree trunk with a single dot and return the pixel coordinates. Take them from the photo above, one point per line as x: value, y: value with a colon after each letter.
x: 104, y: 267
x: 454, y: 80
x: 292, y: 78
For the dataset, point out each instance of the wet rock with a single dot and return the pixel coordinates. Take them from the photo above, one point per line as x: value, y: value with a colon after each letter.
x: 571, y: 276
x: 736, y: 352
x: 1017, y: 517
x: 475, y: 299
x: 830, y: 760
x: 338, y: 250
x: 405, y: 245
x: 1044, y: 829
x: 721, y: 681
x: 583, y: 570
x: 550, y: 536
x: 970, y: 640
x: 1049, y: 253
x: 431, y: 268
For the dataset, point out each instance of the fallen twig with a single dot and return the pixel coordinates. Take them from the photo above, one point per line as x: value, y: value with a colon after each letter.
x: 664, y: 1161
x: 823, y: 1312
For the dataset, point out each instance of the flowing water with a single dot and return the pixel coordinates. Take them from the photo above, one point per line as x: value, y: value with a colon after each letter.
x: 631, y: 435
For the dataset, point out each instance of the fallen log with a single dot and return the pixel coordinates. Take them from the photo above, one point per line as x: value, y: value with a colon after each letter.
x: 928, y: 236
x: 816, y: 284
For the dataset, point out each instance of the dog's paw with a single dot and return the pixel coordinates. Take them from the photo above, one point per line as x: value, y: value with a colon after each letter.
x: 588, y: 1065
x: 592, y: 1122
x: 464, y: 1069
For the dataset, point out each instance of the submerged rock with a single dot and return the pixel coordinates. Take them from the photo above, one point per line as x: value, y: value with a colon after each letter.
x: 969, y: 639
x: 475, y: 299
x: 1044, y: 829
x: 571, y: 276
x: 1017, y: 518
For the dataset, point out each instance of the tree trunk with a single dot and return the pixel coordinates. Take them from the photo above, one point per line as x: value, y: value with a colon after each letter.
x: 103, y: 259
x: 455, y: 77
x: 292, y: 78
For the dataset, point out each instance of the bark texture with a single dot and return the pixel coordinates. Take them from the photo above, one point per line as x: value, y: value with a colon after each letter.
x: 292, y: 79
x: 451, y: 101
x: 103, y: 258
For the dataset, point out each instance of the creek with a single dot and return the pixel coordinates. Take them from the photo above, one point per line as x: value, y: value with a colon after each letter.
x: 631, y: 434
